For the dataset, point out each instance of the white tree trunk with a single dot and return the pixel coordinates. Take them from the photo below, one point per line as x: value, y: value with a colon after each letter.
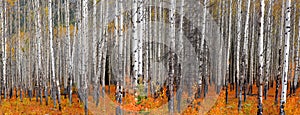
x: 172, y: 58
x: 286, y: 56
x: 52, y: 52
x: 85, y: 52
x: 228, y: 50
x: 119, y: 37
x: 69, y: 51
x: 261, y: 58
x: 94, y: 43
x: 140, y: 31
x: 19, y: 52
x: 239, y: 36
x: 2, y: 32
x: 135, y: 50
x: 205, y: 3
x: 269, y: 48
x: 4, y: 47
x: 38, y: 38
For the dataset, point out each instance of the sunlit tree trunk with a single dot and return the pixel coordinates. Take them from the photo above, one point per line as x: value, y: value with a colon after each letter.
x: 245, y: 49
x: 172, y: 56
x: 261, y: 58
x: 121, y: 53
x: 118, y: 93
x: 69, y: 51
x: 135, y: 50
x: 19, y: 53
x: 38, y: 38
x: 286, y: 56
x: 94, y: 39
x: 2, y: 34
x: 269, y: 50
x: 52, y: 54
x: 140, y: 31
x: 205, y: 3
x: 85, y: 52
x: 105, y: 34
x: 4, y: 47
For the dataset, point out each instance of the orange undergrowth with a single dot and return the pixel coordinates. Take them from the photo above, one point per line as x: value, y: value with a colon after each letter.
x: 15, y: 106
x: 145, y: 104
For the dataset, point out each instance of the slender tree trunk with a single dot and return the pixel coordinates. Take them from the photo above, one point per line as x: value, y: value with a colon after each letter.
x: 180, y: 57
x: 261, y: 58
x: 279, y: 51
x: 172, y: 56
x: 134, y: 50
x: 286, y: 56
x: 205, y: 3
x: 69, y: 51
x: 269, y: 50
x: 297, y: 60
x: 228, y: 51
x: 239, y: 36
x: 4, y: 47
x: 246, y: 45
x: 94, y: 45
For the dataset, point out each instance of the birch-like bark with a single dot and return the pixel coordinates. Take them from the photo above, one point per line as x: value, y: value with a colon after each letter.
x: 69, y: 53
x: 38, y: 38
x: 4, y: 47
x: 203, y: 31
x: 135, y: 50
x: 120, y: 26
x: 286, y: 56
x: 105, y: 34
x: 261, y: 58
x: 85, y: 52
x: 172, y: 56
x: 269, y: 50
x: 52, y: 52
x: 180, y: 58
x: 94, y: 45
x: 2, y: 31
x: 19, y: 52
x: 140, y: 32
x: 118, y: 41
x: 116, y: 28
x: 246, y: 45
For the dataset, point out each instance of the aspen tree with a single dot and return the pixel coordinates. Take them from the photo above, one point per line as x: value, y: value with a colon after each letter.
x: 286, y: 56
x: 261, y: 60
x: 172, y: 56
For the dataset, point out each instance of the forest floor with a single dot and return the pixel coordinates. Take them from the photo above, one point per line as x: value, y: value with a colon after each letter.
x: 151, y: 105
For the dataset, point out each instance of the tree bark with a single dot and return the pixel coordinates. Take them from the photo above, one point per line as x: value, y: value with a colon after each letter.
x: 286, y: 56
x: 261, y: 58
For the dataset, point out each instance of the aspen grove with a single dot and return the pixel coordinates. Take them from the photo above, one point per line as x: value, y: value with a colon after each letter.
x: 150, y: 56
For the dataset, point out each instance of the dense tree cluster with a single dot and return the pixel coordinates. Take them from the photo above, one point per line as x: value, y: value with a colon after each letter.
x: 61, y: 47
